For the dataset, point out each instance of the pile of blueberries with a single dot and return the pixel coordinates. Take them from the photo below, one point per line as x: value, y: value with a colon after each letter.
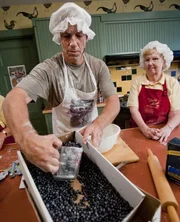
x: 99, y: 202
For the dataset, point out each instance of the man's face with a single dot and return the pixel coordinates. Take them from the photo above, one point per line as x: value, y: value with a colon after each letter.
x: 73, y: 45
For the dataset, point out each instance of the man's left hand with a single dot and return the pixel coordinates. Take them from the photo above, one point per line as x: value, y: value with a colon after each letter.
x: 94, y: 131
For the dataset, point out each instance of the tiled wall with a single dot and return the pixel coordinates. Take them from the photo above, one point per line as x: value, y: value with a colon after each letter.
x: 122, y: 76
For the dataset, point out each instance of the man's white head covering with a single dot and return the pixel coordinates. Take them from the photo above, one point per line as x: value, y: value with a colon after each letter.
x: 73, y: 14
x: 160, y: 48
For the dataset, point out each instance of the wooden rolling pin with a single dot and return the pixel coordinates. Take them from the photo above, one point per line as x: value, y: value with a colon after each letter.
x: 166, y: 196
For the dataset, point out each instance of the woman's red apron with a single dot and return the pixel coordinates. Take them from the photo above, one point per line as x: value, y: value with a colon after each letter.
x: 9, y: 139
x: 154, y: 105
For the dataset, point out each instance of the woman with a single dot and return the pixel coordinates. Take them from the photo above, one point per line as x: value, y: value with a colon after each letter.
x: 154, y: 96
x: 5, y: 135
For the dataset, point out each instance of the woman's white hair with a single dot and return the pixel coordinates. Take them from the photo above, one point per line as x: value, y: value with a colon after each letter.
x: 160, y: 48
x: 72, y: 14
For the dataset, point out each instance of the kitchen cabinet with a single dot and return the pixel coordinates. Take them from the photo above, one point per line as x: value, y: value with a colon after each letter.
x: 129, y: 32
x: 94, y: 47
x: 123, y: 118
x: 117, y: 33
x: 48, y: 118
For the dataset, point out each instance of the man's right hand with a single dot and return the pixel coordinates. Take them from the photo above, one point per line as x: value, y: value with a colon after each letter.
x: 42, y: 151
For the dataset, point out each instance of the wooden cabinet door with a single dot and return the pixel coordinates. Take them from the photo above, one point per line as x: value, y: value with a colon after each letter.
x: 21, y: 51
x: 95, y: 46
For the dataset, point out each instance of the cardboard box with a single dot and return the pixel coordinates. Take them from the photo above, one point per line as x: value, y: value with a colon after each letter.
x: 139, y: 200
x: 173, y: 161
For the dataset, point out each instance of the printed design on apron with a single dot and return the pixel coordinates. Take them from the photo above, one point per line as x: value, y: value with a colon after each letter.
x: 153, y: 103
x: 80, y: 112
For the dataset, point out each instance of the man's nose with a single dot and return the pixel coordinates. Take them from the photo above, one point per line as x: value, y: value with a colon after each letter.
x: 73, y: 41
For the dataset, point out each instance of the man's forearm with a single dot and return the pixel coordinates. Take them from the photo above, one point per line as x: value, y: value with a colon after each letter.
x: 109, y: 112
x: 16, y: 113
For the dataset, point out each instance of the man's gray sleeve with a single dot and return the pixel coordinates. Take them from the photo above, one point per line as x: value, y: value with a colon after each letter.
x: 37, y: 83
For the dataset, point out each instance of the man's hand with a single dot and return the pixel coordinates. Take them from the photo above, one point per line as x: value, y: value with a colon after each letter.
x: 93, y: 130
x: 42, y: 151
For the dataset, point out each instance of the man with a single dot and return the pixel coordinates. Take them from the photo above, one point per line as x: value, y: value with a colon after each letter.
x: 69, y: 81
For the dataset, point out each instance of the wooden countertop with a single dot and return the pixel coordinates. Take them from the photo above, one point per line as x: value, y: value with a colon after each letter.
x: 48, y: 109
x: 139, y: 172
x: 15, y: 205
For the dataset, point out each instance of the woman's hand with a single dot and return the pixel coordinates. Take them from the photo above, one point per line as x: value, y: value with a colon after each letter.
x: 150, y: 133
x: 164, y: 133
x: 2, y: 138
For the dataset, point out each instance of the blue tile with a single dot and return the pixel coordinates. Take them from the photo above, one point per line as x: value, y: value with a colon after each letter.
x: 134, y: 71
x: 114, y: 84
x: 119, y: 89
x: 123, y: 78
x: 173, y: 73
x: 129, y: 77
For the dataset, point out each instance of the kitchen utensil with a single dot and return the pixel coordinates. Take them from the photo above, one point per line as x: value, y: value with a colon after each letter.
x: 121, y: 165
x: 70, y: 158
x: 120, y: 152
x: 12, y: 171
x: 109, y: 138
x: 163, y: 188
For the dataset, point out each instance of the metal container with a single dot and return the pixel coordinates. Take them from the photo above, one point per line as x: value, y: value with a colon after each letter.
x: 70, y: 158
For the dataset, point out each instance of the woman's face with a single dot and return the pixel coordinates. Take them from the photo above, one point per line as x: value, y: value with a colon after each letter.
x: 73, y: 45
x: 153, y: 63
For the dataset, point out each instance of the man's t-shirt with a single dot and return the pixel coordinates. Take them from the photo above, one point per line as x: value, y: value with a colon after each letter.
x: 46, y: 80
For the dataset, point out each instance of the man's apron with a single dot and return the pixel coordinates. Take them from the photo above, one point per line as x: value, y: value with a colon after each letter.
x: 77, y: 108
x: 154, y: 105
